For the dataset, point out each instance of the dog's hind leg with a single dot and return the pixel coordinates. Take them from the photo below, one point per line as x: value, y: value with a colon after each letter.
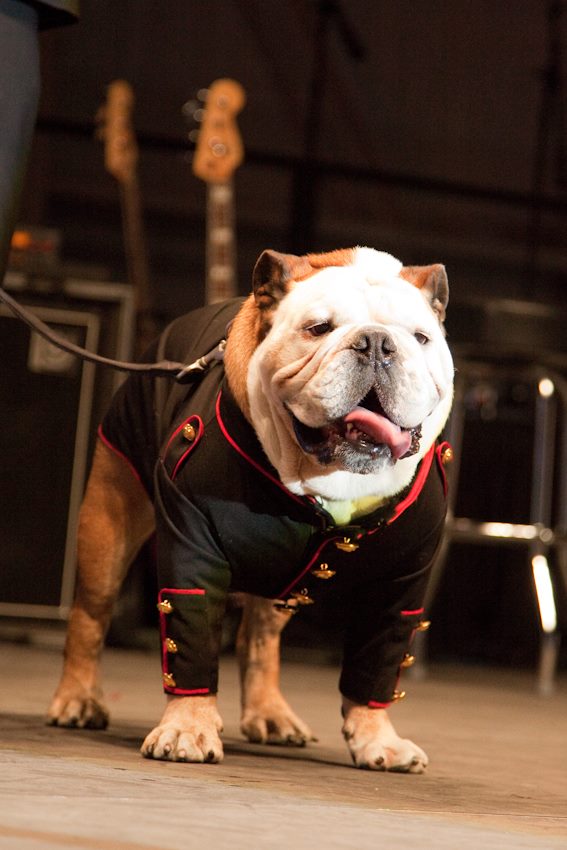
x: 116, y: 518
x: 266, y: 715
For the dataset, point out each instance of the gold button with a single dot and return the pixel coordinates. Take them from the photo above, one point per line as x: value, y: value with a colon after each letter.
x: 170, y: 645
x: 323, y: 571
x: 168, y: 680
x: 189, y: 432
x: 398, y: 695
x: 345, y: 545
x: 303, y: 597
x: 165, y: 606
x: 408, y: 660
x: 447, y: 455
x: 423, y: 625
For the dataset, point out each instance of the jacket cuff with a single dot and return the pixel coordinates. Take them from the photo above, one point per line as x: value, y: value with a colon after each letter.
x: 383, y: 688
x: 189, y: 666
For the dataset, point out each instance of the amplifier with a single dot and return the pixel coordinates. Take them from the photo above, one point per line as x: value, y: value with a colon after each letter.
x: 50, y: 406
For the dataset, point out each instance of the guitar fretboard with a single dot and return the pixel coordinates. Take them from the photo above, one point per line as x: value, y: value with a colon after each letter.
x: 221, y: 243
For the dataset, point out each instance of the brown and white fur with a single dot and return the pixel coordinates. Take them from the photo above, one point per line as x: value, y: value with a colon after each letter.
x: 117, y: 517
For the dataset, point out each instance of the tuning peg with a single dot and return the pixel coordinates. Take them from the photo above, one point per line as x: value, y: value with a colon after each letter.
x: 193, y: 135
x: 190, y: 109
x: 202, y: 95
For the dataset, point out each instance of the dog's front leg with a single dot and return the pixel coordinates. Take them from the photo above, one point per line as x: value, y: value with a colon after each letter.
x: 116, y: 517
x: 374, y: 743
x: 266, y: 715
x: 188, y: 731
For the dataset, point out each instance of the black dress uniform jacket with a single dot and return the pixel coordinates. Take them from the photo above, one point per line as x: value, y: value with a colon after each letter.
x: 226, y: 522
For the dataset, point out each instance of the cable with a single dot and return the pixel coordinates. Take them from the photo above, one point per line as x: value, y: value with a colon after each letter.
x: 180, y: 372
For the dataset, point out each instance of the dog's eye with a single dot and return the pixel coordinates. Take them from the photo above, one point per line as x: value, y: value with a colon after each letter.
x: 422, y: 338
x: 319, y: 329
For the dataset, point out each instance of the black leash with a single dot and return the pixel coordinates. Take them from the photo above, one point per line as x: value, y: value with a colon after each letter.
x: 180, y: 372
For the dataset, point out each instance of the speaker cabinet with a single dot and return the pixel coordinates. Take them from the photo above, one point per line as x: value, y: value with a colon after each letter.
x: 50, y: 406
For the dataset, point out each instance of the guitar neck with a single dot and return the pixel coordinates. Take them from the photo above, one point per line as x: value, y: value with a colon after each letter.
x: 221, y: 280
x: 137, y: 261
x: 121, y: 158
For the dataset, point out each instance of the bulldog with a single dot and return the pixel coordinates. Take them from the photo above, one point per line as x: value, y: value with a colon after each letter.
x: 304, y: 461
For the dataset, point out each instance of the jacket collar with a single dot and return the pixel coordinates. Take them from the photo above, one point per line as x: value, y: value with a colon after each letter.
x: 238, y: 432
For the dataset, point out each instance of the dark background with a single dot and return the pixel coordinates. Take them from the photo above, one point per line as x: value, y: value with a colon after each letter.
x: 428, y: 129
x: 427, y: 143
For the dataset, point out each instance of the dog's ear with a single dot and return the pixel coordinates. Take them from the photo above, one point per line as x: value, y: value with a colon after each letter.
x: 432, y: 280
x: 273, y: 274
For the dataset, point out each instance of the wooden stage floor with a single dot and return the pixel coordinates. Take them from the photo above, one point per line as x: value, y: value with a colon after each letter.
x: 497, y: 777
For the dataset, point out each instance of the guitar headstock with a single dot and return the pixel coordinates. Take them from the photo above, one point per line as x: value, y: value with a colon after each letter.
x: 219, y: 149
x: 115, y: 129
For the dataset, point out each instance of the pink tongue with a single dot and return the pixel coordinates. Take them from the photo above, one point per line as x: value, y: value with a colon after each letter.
x: 381, y: 430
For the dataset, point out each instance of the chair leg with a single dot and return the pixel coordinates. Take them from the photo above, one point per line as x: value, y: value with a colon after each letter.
x: 561, y: 544
x: 547, y: 666
x: 545, y: 432
x: 551, y: 394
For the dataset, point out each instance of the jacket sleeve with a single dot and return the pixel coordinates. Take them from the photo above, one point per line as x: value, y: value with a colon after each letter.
x: 387, y: 614
x: 194, y: 579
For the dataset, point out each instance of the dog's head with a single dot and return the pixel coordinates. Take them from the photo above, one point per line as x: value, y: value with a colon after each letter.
x: 339, y: 361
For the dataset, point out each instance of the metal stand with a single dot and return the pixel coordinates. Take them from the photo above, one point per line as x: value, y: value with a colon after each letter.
x: 545, y: 541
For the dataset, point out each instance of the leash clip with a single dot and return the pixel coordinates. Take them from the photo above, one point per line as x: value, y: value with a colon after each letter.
x: 188, y: 373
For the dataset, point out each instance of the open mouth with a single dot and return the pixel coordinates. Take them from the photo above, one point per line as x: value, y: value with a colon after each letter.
x: 366, y: 429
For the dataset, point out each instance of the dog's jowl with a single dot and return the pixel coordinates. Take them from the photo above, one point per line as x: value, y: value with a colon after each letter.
x: 304, y: 463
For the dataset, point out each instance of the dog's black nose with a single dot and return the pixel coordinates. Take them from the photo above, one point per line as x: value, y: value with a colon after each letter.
x: 375, y: 344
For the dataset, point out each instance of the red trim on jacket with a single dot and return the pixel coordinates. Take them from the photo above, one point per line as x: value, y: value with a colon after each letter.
x: 309, y: 565
x: 441, y: 448
x: 250, y: 460
x: 195, y: 591
x: 120, y: 454
x: 417, y: 486
x: 197, y: 422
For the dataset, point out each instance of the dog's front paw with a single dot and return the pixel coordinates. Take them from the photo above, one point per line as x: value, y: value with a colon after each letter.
x: 374, y: 743
x: 77, y: 706
x: 270, y: 720
x: 188, y: 731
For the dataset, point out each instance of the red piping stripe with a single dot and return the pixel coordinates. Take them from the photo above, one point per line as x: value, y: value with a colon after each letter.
x: 179, y: 429
x: 417, y: 485
x: 180, y: 461
x: 195, y: 591
x: 411, y: 613
x: 308, y: 567
x: 440, y: 449
x: 246, y: 457
x: 120, y: 454
x: 373, y: 704
x: 196, y: 441
x: 183, y: 692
